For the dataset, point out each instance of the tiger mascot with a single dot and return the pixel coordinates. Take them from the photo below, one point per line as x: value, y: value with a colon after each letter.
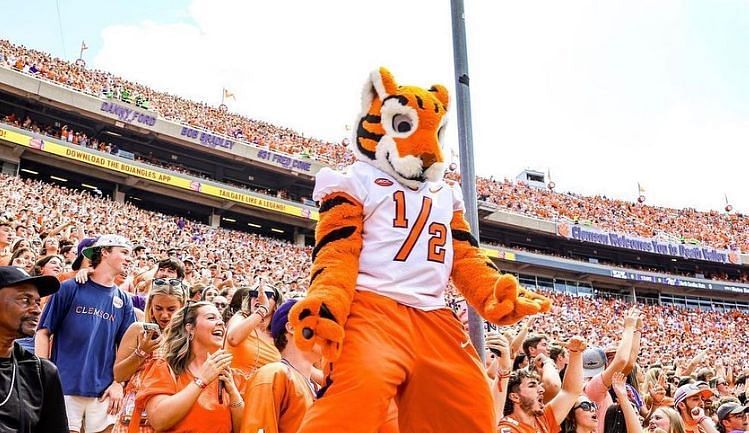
x: 391, y: 234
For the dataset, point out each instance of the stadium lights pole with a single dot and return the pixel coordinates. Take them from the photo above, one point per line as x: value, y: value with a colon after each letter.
x: 465, y: 138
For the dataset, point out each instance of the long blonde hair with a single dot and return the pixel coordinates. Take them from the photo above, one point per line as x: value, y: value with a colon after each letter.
x: 166, y: 290
x: 177, y: 339
x: 677, y: 425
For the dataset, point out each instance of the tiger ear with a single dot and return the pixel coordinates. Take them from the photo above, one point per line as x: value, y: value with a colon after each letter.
x: 380, y: 84
x: 440, y: 92
x: 383, y: 82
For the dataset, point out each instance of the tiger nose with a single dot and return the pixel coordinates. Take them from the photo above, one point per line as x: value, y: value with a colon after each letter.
x: 427, y: 159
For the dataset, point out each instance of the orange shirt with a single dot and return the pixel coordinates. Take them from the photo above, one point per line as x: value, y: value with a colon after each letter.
x: 546, y: 424
x: 276, y: 400
x: 253, y: 353
x: 205, y: 416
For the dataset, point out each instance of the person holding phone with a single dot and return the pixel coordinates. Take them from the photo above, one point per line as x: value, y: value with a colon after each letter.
x: 248, y: 329
x: 180, y: 392
x: 140, y: 345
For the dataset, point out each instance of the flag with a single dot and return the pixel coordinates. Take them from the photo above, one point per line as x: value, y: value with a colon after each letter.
x: 228, y: 94
x: 84, y: 47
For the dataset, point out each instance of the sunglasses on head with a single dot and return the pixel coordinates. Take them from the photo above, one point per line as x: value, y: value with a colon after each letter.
x: 587, y: 406
x: 167, y: 281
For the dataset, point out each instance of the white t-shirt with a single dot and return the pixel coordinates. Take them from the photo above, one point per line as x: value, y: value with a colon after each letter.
x: 407, y: 250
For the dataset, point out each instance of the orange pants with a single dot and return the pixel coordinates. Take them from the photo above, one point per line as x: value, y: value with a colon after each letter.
x: 422, y: 359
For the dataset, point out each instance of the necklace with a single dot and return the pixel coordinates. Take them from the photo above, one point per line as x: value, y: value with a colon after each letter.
x: 309, y: 382
x: 12, y: 382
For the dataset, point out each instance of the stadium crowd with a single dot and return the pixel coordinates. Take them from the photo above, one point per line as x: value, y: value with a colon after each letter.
x: 739, y: 276
x: 171, y: 107
x: 102, y: 143
x: 47, y: 229
x: 176, y: 303
x: 716, y: 229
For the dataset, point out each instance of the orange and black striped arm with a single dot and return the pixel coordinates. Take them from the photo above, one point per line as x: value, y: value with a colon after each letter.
x: 497, y: 297
x: 320, y: 316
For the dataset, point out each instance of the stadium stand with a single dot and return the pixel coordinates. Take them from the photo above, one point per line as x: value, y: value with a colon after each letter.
x: 713, y: 228
x: 42, y: 220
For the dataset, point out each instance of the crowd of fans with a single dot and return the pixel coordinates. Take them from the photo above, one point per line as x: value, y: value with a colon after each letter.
x: 81, y: 138
x: 236, y: 282
x: 171, y: 107
x: 716, y: 229
x: 740, y: 276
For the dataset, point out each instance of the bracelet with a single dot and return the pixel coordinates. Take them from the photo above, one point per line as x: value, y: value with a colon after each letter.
x: 140, y: 353
x: 199, y: 382
x: 500, y: 378
x: 236, y: 404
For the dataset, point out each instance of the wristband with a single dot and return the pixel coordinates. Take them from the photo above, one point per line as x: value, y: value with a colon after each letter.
x: 238, y: 403
x: 140, y: 353
x: 502, y: 376
x: 199, y: 382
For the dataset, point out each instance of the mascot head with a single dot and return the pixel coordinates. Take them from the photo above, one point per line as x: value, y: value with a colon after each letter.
x: 400, y: 129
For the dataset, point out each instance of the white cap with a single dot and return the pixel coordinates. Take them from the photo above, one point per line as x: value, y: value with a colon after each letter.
x: 107, y: 241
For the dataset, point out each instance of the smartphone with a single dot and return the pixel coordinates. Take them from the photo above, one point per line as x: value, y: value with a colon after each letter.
x: 153, y: 329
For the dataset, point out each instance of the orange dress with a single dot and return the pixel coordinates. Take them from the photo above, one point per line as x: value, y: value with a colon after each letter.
x: 253, y: 353
x: 205, y: 416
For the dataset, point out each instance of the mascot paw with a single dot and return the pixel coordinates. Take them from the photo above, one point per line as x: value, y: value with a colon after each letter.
x: 315, y: 324
x: 510, y: 302
x: 531, y: 303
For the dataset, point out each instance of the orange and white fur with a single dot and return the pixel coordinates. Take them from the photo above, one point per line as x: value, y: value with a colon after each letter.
x: 391, y: 234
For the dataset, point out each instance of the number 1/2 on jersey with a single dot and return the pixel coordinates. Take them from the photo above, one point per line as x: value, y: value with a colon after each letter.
x: 437, y: 231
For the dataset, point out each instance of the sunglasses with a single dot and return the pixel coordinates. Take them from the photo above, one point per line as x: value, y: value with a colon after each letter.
x: 270, y: 294
x: 167, y: 281
x: 221, y: 304
x: 587, y: 406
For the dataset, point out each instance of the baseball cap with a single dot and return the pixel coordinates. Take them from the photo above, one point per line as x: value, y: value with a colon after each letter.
x: 13, y: 276
x: 594, y: 361
x: 688, y: 390
x: 83, y: 244
x: 730, y: 408
x: 280, y: 318
x: 107, y: 241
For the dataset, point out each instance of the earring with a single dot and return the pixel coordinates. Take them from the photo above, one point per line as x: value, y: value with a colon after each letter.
x: 189, y: 337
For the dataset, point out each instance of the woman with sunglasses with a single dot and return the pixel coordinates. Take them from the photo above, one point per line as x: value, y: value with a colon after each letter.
x: 583, y: 418
x: 141, y: 343
x: 248, y: 335
x: 180, y: 392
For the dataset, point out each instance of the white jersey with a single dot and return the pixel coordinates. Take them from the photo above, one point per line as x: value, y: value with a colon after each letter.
x: 407, y: 252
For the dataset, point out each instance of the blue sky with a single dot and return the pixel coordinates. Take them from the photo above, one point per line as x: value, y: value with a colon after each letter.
x: 602, y: 94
